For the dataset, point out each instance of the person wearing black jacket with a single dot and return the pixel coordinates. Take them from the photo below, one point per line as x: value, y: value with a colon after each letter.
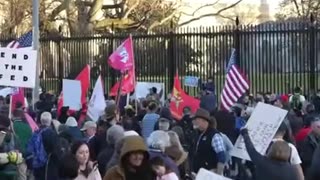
x: 275, y: 165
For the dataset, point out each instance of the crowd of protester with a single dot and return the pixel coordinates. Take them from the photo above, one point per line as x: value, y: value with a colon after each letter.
x: 142, y: 141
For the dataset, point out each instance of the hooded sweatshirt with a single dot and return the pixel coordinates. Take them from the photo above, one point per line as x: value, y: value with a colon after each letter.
x: 121, y: 172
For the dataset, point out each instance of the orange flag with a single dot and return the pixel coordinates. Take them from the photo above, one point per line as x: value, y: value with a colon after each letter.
x: 180, y: 100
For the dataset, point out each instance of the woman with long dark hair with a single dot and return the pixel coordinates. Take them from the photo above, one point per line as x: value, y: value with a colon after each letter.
x: 87, y: 169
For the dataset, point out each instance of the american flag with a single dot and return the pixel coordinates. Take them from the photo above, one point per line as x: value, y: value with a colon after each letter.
x: 235, y: 86
x: 22, y: 42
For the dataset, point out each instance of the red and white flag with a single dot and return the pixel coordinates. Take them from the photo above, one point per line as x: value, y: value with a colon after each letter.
x: 235, y: 86
x: 122, y: 58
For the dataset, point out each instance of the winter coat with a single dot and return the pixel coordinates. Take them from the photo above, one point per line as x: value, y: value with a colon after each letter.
x: 267, y: 169
x: 121, y: 172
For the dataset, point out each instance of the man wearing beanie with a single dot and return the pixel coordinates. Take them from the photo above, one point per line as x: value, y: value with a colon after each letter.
x: 210, y: 149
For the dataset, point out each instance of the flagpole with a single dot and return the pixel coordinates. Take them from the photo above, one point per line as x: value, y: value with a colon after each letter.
x: 119, y: 90
x: 10, y: 107
x: 35, y: 46
x: 128, y: 99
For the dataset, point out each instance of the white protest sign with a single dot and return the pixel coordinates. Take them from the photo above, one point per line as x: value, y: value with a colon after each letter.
x: 191, y: 81
x: 4, y: 92
x: 262, y: 126
x: 204, y: 174
x: 143, y: 89
x: 71, y: 90
x: 18, y: 67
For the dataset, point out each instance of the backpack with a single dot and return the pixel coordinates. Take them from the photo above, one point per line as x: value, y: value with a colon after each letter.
x: 296, y: 102
x: 36, y: 149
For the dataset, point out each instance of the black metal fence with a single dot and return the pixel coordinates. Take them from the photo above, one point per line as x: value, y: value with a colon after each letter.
x: 275, y: 56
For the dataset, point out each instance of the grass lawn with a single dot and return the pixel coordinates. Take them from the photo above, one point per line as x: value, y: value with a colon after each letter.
x: 278, y: 83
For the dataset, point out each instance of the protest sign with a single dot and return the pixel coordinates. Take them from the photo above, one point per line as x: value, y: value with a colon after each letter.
x: 262, y: 126
x: 143, y: 89
x: 18, y: 67
x: 4, y: 92
x: 191, y: 81
x: 71, y: 90
x: 204, y: 174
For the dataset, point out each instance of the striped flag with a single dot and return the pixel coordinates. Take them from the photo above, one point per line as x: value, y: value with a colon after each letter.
x: 235, y: 86
x: 22, y: 42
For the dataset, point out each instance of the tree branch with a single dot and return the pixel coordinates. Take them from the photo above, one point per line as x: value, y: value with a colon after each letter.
x: 132, y: 8
x: 201, y: 7
x: 95, y: 8
x: 210, y: 14
x: 111, y: 6
x: 297, y: 7
x: 60, y: 8
x: 116, y: 22
x: 158, y: 23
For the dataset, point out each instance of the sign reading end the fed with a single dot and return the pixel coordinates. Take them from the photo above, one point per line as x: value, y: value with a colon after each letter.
x: 18, y: 67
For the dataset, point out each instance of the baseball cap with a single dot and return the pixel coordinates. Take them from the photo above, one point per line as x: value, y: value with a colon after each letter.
x: 88, y: 124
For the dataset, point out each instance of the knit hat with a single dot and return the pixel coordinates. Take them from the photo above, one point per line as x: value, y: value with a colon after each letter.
x: 130, y: 133
x: 72, y: 122
x: 114, y: 133
x: 203, y: 114
x: 165, y: 113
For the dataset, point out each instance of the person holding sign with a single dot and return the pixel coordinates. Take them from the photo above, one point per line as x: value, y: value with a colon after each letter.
x: 275, y: 165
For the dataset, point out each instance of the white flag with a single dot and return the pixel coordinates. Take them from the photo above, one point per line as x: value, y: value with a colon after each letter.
x: 97, y: 103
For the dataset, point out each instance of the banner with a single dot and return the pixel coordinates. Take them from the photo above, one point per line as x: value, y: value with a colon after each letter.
x: 262, y: 126
x: 97, y: 102
x: 191, y: 81
x: 18, y: 67
x: 71, y: 90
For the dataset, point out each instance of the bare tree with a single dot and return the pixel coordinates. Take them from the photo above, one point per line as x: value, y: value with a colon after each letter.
x: 84, y: 15
x: 215, y: 5
x: 93, y: 15
x: 247, y: 14
x: 299, y: 9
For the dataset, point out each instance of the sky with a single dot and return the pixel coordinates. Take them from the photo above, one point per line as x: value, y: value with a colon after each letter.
x: 273, y: 6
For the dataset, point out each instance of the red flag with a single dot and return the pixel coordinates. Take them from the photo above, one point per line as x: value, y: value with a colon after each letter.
x: 180, y: 100
x: 84, y: 78
x: 122, y: 58
x: 17, y: 96
x: 127, y: 85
